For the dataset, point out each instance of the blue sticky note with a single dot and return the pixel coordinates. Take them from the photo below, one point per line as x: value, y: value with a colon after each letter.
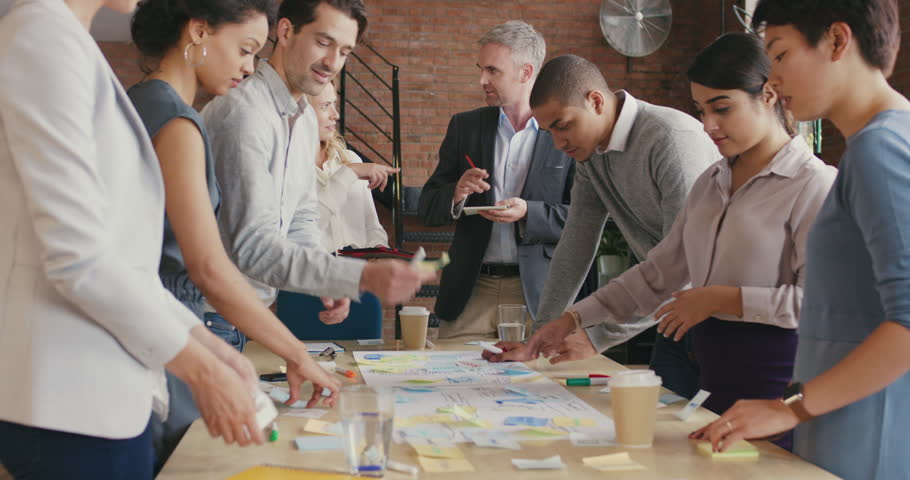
x: 372, y: 356
x: 418, y: 389
x: 320, y: 442
x: 670, y: 398
x: 512, y: 372
x: 521, y: 400
x: 529, y: 421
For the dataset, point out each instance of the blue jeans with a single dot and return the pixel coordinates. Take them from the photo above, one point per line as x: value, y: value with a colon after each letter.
x: 675, y: 363
x: 30, y: 453
x: 223, y: 329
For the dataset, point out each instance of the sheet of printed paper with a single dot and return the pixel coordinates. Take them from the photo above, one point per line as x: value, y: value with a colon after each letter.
x: 391, y: 368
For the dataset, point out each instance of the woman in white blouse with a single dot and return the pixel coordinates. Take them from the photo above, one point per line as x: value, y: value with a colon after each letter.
x: 347, y: 215
x: 740, y: 240
x: 86, y: 327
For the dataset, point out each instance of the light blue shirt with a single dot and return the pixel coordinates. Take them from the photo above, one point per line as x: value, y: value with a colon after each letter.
x: 512, y: 157
x: 858, y: 277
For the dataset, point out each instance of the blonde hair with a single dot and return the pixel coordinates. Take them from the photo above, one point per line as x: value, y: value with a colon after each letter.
x: 335, y: 145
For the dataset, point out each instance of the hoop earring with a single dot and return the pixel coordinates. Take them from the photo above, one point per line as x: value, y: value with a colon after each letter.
x: 186, y: 55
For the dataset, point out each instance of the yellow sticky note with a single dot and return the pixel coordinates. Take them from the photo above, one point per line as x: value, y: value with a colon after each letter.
x: 573, y: 422
x: 459, y: 411
x: 325, y: 428
x: 739, y: 450
x: 436, y: 451
x: 473, y: 423
x: 613, y: 462
x: 444, y: 465
x: 527, y: 378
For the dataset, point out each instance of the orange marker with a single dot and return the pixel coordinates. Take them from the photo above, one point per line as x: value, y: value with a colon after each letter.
x: 346, y: 373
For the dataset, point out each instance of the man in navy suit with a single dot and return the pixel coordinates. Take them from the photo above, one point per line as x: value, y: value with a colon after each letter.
x: 498, y: 155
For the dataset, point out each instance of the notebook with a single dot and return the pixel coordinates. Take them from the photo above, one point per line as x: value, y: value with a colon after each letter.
x: 272, y: 472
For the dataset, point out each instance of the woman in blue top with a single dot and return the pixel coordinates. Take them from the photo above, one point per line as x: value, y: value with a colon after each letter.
x: 851, y: 396
x: 212, y: 44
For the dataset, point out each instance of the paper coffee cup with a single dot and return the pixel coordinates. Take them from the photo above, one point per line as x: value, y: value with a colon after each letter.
x: 634, y: 396
x: 414, y: 321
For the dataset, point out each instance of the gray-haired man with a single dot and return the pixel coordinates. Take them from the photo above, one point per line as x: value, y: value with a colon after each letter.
x: 498, y: 155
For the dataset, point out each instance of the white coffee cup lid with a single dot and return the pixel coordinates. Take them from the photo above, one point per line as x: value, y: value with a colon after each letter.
x: 634, y: 378
x: 414, y: 310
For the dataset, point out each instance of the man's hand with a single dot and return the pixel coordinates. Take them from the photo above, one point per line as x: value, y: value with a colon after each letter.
x: 577, y: 346
x: 517, y: 211
x: 511, y: 352
x: 336, y: 310
x: 307, y: 369
x: 393, y: 281
x: 471, y: 181
x: 549, y: 338
x: 377, y: 174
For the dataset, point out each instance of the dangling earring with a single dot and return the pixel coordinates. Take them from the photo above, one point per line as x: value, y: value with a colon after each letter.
x: 186, y: 55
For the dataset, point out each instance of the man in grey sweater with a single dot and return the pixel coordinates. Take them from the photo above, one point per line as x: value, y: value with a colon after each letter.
x: 636, y: 162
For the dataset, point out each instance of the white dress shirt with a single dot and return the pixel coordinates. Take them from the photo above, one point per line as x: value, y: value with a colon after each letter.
x: 86, y: 326
x: 347, y: 214
x: 512, y: 154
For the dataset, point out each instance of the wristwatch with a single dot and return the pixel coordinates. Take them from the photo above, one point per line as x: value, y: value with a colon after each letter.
x: 793, y: 398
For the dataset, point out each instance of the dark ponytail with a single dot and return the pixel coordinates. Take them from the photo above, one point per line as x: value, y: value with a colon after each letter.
x: 157, y: 24
x: 737, y: 61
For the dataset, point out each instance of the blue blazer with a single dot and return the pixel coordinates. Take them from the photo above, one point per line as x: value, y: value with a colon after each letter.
x: 546, y: 190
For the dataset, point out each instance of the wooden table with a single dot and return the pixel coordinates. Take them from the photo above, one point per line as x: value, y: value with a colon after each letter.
x: 673, y: 456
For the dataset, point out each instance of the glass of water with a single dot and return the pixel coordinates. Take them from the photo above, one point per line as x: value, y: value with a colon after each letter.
x: 512, y: 322
x: 366, y: 420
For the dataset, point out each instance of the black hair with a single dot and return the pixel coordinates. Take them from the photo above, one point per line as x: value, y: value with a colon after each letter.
x: 567, y: 79
x: 303, y: 12
x: 157, y: 24
x: 736, y: 61
x: 875, y: 24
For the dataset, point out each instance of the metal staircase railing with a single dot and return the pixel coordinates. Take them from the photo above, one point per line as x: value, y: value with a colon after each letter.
x: 368, y: 134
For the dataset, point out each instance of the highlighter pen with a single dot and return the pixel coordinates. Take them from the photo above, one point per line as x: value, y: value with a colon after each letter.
x: 586, y: 382
x: 273, y: 435
x: 581, y: 375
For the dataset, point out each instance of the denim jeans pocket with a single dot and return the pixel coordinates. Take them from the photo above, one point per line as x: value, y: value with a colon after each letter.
x: 225, y: 331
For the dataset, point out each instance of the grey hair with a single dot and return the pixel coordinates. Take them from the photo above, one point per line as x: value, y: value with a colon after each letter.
x: 527, y: 44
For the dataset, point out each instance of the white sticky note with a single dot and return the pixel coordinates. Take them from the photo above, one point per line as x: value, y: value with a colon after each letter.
x: 693, y: 405
x: 305, y: 413
x: 551, y: 463
x: 490, y: 441
x: 592, y: 439
x: 281, y: 395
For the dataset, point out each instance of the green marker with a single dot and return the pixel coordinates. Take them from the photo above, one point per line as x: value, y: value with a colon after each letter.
x: 273, y: 436
x: 585, y: 382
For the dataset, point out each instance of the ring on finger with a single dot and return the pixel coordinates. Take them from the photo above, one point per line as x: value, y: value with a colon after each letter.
x: 729, y: 426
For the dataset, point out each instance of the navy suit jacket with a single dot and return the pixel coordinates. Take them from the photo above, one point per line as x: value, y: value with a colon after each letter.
x: 546, y: 190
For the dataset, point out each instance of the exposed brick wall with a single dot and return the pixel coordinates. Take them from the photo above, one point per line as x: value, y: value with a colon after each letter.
x: 435, y: 45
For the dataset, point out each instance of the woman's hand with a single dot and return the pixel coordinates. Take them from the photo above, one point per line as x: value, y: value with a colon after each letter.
x: 745, y: 420
x: 692, y: 307
x: 307, y: 369
x: 376, y: 174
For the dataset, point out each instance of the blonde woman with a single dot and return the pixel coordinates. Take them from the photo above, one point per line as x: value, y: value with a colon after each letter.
x: 347, y: 215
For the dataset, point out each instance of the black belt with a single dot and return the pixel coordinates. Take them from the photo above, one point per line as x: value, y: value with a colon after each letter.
x: 499, y: 269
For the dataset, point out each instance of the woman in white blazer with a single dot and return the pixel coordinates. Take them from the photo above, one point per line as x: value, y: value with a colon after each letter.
x: 86, y: 327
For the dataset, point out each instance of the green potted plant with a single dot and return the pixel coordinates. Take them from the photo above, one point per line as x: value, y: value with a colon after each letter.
x: 612, y: 256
